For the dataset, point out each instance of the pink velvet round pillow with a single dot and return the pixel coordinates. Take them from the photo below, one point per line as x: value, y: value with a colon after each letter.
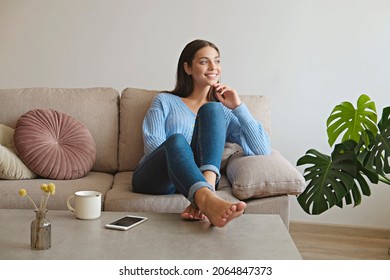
x: 54, y: 145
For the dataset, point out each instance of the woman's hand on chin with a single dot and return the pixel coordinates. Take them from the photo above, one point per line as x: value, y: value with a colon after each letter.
x: 227, y: 96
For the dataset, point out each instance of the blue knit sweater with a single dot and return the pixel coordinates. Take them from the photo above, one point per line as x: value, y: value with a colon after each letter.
x: 168, y: 115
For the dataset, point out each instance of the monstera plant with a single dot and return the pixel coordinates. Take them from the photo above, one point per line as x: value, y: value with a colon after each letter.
x: 359, y: 159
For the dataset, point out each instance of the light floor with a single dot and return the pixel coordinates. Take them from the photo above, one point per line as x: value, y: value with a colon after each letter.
x: 333, y: 242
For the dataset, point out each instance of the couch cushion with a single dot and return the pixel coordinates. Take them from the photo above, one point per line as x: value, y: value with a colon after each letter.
x: 11, y: 166
x: 54, y: 145
x: 10, y: 199
x: 7, y: 136
x: 134, y: 104
x: 122, y: 198
x: 260, y: 108
x: 263, y: 176
x: 97, y: 108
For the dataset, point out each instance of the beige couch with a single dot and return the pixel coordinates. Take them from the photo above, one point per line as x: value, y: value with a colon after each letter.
x: 114, y: 120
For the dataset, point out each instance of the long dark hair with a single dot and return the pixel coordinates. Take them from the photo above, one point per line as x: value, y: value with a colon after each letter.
x: 184, y: 84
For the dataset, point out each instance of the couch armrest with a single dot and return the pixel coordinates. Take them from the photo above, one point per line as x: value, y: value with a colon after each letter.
x: 263, y: 176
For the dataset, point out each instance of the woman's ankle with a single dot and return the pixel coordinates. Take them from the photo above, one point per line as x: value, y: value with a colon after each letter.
x: 201, y: 196
x: 210, y: 177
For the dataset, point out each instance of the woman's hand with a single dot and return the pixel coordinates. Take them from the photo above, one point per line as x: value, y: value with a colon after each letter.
x: 227, y: 96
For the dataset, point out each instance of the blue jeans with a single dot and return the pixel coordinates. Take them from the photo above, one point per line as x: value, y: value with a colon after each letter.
x: 177, y: 166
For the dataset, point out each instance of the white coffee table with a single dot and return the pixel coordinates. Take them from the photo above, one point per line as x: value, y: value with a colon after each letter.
x: 163, y: 236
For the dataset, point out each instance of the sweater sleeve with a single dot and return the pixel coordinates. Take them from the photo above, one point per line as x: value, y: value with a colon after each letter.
x: 153, y: 127
x: 244, y: 130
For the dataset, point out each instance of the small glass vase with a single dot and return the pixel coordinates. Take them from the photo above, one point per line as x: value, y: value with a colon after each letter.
x: 40, y: 231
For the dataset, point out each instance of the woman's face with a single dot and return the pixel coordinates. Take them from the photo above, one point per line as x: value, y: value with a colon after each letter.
x: 206, y: 67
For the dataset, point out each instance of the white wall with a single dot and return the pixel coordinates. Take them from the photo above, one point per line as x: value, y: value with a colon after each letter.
x: 306, y: 55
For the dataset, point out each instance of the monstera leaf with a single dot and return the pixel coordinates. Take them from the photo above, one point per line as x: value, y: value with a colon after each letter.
x: 354, y: 122
x: 360, y: 186
x: 330, y: 179
x: 375, y: 156
x: 334, y: 180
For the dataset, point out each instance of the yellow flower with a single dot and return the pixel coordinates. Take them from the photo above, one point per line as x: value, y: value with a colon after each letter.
x: 22, y: 192
x: 51, y: 188
x: 44, y: 187
x: 48, y: 189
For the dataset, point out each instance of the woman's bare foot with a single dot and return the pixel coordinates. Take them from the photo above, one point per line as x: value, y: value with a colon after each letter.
x: 192, y: 213
x: 217, y: 210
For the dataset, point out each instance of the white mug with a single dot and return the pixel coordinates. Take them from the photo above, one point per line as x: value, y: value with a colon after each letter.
x: 88, y: 204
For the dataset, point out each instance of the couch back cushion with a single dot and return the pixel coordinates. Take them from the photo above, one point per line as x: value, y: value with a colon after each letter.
x: 97, y: 108
x: 133, y: 107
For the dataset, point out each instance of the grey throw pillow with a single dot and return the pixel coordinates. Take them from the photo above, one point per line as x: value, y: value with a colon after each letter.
x: 263, y: 176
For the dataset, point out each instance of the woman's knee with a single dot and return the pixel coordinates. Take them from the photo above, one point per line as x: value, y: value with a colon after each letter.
x: 212, y: 113
x: 176, y: 140
x: 211, y: 106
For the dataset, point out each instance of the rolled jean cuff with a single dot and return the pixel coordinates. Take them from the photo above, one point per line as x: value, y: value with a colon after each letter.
x: 213, y: 168
x: 196, y: 187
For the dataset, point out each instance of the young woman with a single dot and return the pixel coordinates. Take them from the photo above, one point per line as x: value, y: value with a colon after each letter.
x: 185, y: 131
